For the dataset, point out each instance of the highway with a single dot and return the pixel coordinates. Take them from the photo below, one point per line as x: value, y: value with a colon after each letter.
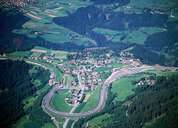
x: 103, y: 93
x: 48, y: 109
x: 125, y: 71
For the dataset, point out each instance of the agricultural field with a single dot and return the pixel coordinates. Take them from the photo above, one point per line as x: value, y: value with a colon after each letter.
x: 68, y: 80
x: 137, y: 6
x: 162, y: 73
x: 41, y: 24
x: 19, y: 54
x: 90, y: 101
x: 105, y: 71
x: 136, y: 36
x: 26, y: 122
x: 98, y: 121
x: 124, y: 86
x: 60, y: 54
x: 152, y: 3
x: 58, y: 101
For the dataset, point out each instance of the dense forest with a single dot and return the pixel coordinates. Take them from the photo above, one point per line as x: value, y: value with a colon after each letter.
x: 16, y: 84
x: 157, y: 102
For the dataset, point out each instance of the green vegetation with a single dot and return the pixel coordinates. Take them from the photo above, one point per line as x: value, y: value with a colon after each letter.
x: 168, y: 120
x: 25, y: 122
x: 58, y: 101
x: 99, y: 121
x: 35, y: 117
x: 105, y: 71
x: 15, y: 86
x: 116, y: 65
x: 51, y: 67
x: 162, y: 73
x: 19, y: 54
x: 160, y: 111
x: 136, y: 36
x: 24, y: 94
x: 124, y: 87
x: 29, y: 102
x: 60, y: 54
x: 48, y: 125
x: 92, y: 101
x: 151, y: 3
x: 70, y: 123
x: 68, y: 80
x: 50, y: 32
x: 57, y: 71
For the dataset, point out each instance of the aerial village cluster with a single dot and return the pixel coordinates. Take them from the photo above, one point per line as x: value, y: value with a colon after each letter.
x: 18, y: 3
x: 82, y: 67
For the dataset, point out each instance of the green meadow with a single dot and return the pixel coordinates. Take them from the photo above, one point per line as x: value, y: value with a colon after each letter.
x: 58, y: 101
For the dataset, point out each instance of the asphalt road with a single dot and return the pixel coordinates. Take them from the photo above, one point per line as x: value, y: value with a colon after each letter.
x: 48, y: 109
x: 103, y: 94
x: 126, y: 71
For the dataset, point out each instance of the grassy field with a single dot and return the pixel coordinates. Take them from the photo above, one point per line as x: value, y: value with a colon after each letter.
x: 57, y: 72
x: 162, y: 73
x: 52, y: 68
x: 137, y: 36
x: 48, y: 125
x: 29, y: 101
x: 49, y: 31
x: 52, y: 33
x: 91, y: 102
x: 34, y: 115
x: 124, y: 87
x: 19, y: 54
x: 153, y: 3
x: 106, y: 70
x: 137, y: 6
x: 58, y: 102
x: 68, y: 80
x: 60, y: 54
x: 99, y: 121
x: 26, y: 122
x: 103, y: 69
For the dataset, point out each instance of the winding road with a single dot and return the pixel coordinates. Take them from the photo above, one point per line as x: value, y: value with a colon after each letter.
x: 125, y: 71
x: 103, y: 93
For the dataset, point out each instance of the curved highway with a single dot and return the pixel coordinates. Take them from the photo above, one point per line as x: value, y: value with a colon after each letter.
x: 48, y: 109
x: 103, y: 94
x: 126, y: 71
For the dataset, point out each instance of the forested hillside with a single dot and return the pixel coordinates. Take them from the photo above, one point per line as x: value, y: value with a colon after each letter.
x: 151, y: 107
x: 16, y: 84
